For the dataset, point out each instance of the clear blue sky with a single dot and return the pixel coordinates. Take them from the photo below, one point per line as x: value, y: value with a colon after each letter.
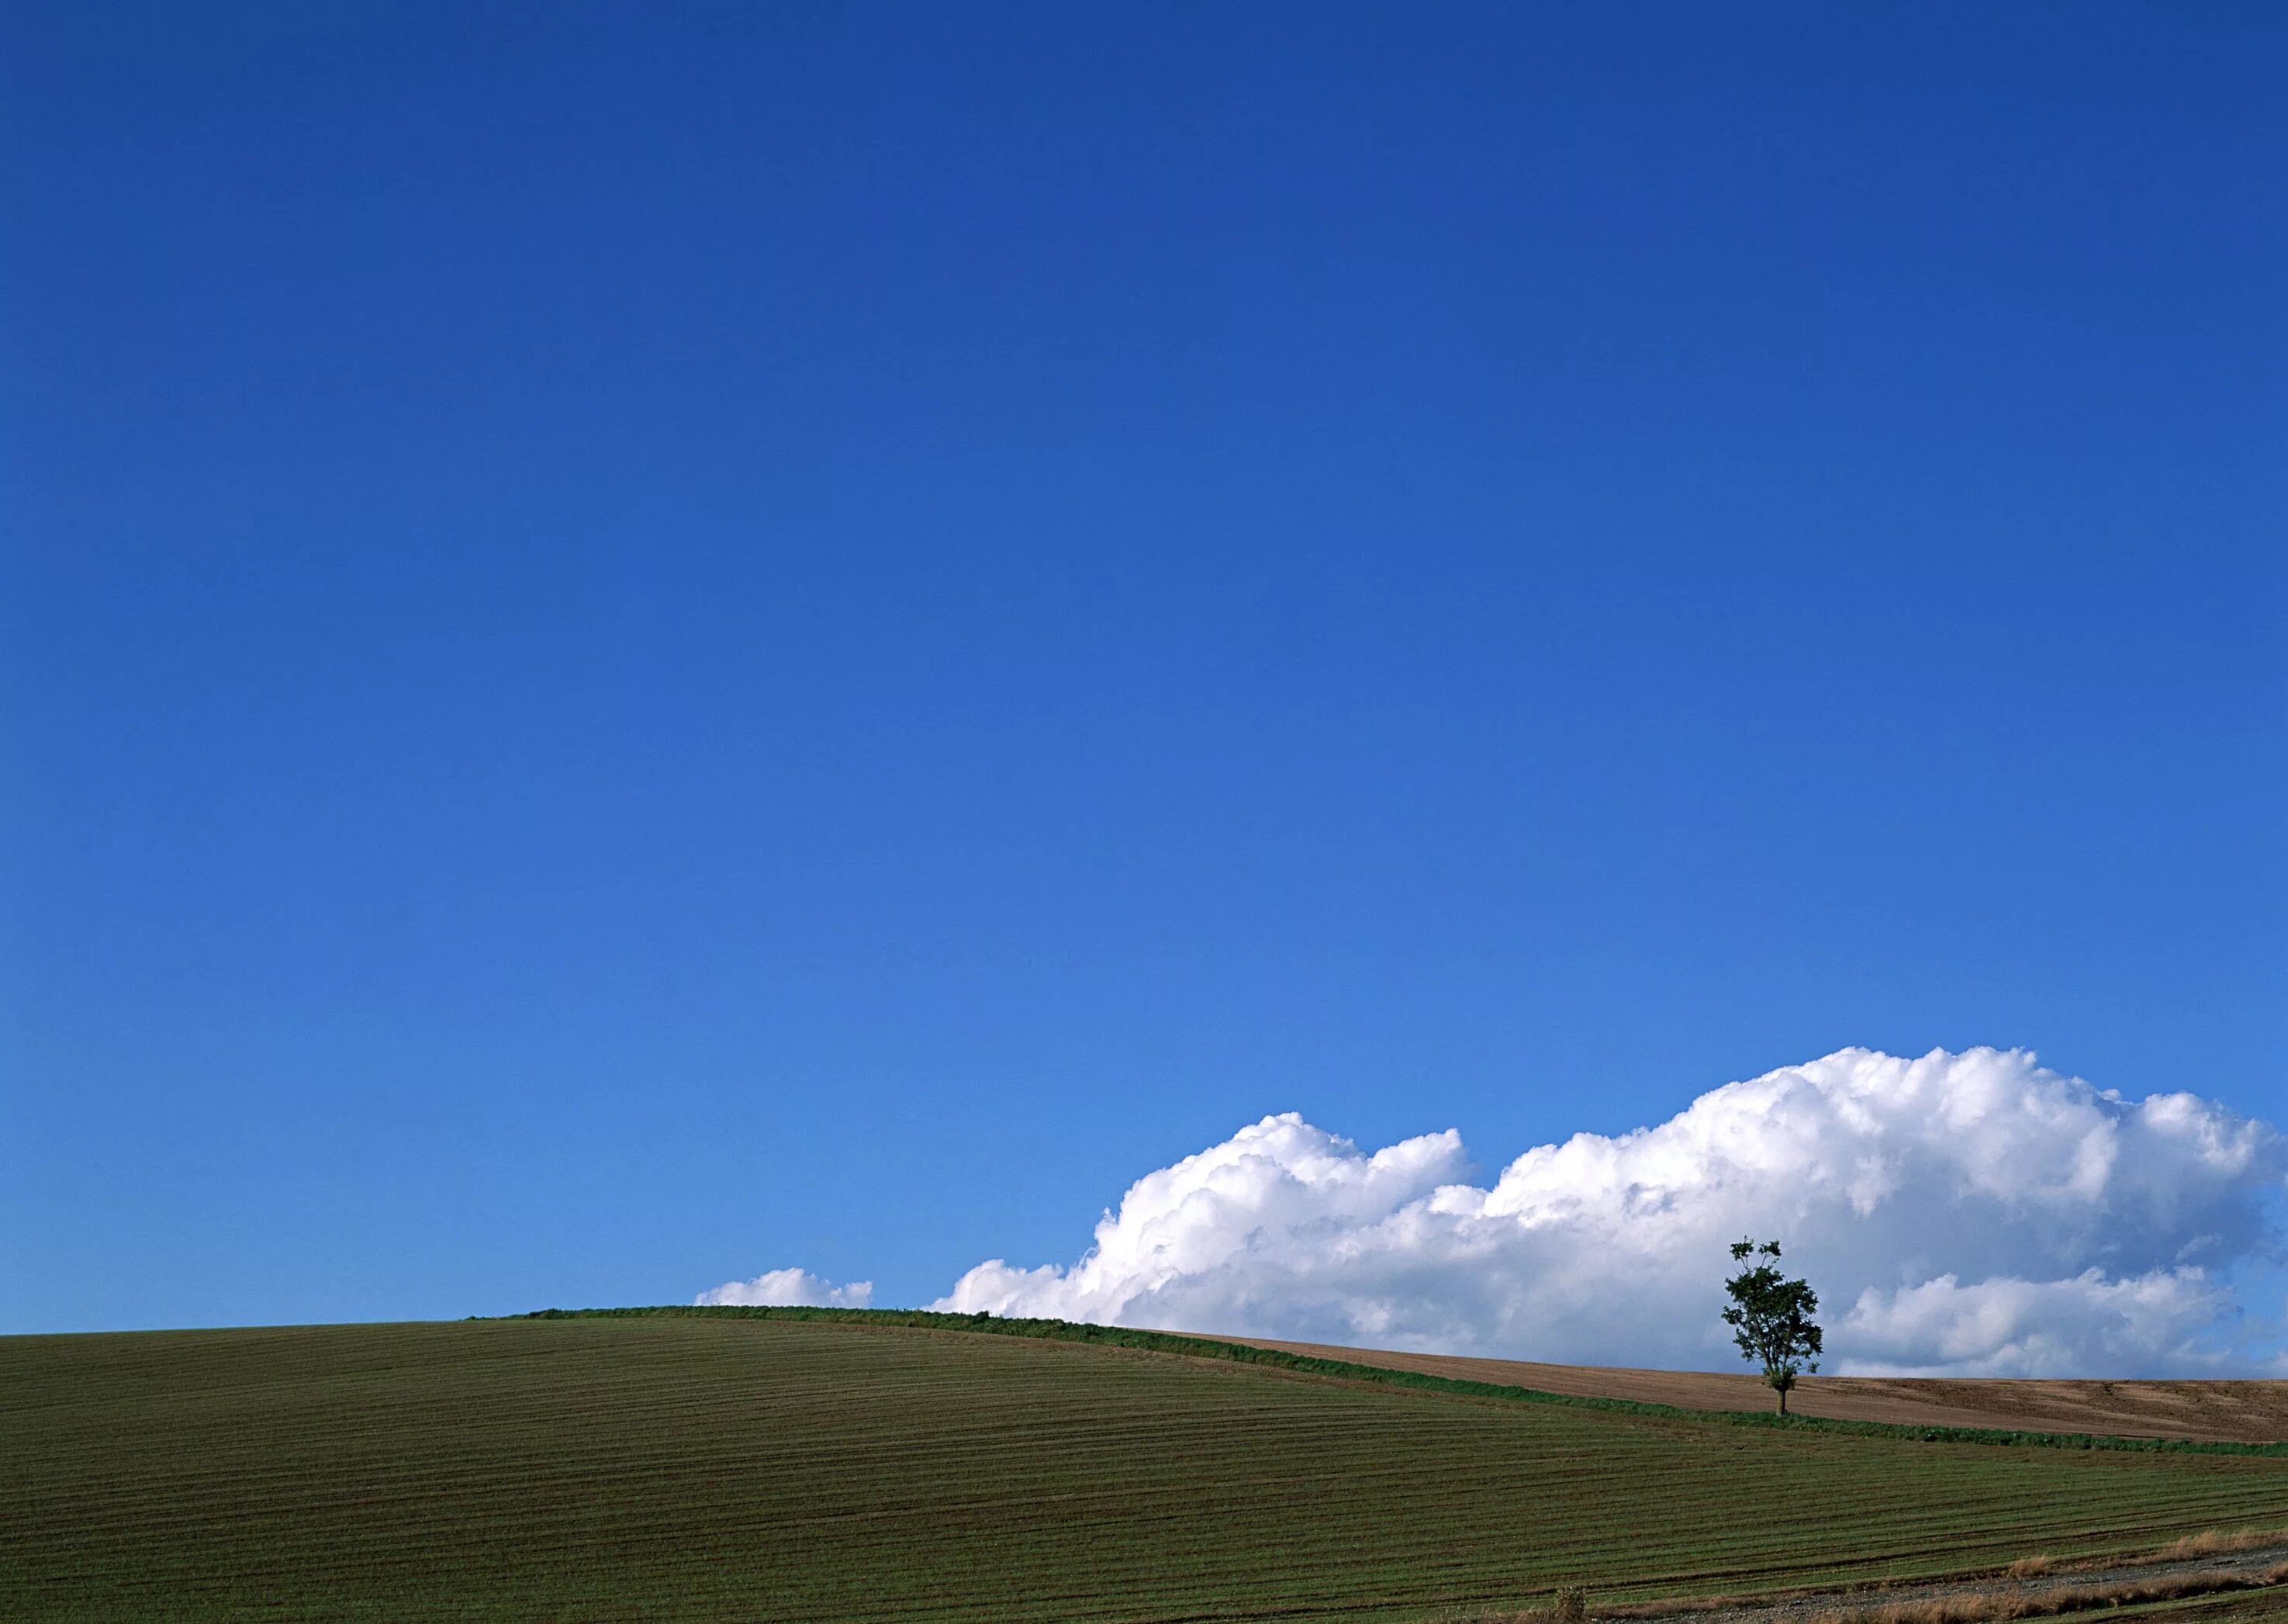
x: 642, y: 643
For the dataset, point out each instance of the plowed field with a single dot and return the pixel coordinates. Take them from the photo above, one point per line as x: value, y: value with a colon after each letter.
x: 701, y: 1468
x: 2241, y: 1412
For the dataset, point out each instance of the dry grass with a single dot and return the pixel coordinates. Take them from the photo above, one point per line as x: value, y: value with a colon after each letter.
x: 2209, y: 1542
x: 1992, y: 1606
x: 1566, y: 1607
x: 1969, y: 1608
x: 1677, y: 1607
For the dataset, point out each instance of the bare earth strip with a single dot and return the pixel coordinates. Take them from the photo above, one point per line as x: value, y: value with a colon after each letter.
x: 2241, y: 1412
x: 1963, y: 1597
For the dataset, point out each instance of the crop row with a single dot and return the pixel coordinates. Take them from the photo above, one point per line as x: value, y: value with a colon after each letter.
x: 769, y: 1470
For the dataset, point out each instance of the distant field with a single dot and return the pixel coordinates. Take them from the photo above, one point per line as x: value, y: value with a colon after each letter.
x: 2246, y: 1411
x: 724, y: 1468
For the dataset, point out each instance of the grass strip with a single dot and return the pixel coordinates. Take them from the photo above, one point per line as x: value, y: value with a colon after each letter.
x: 1240, y: 1353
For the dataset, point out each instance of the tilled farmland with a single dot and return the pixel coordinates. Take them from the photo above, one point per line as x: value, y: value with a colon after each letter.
x: 759, y: 1468
x: 2249, y: 1412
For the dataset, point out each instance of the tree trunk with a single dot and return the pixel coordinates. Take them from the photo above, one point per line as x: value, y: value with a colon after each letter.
x: 1783, y: 1392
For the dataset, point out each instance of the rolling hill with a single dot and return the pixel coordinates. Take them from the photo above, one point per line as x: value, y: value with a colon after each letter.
x: 2219, y: 1411
x: 743, y: 1465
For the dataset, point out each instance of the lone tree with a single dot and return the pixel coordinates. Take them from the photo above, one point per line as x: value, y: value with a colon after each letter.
x: 1770, y: 1317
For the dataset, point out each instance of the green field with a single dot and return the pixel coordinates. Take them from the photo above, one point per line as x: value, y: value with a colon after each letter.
x: 727, y: 1468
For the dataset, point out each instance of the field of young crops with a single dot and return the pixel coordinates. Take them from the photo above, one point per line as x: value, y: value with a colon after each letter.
x: 758, y: 1469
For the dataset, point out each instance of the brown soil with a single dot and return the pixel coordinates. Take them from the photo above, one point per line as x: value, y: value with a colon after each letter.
x: 2079, y: 1589
x: 2246, y: 1411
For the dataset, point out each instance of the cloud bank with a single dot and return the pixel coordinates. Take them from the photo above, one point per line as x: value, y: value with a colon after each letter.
x: 790, y: 1288
x: 1961, y: 1214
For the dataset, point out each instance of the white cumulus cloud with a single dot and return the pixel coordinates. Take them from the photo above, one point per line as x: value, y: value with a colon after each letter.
x: 1967, y: 1213
x: 789, y: 1289
x: 2014, y: 1328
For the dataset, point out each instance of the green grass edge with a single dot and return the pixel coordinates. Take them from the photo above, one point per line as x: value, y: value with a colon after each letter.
x: 1240, y: 1353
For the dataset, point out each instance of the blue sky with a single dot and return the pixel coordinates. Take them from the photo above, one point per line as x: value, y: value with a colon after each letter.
x: 646, y: 643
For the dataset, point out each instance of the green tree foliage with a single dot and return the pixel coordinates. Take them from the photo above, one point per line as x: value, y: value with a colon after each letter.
x: 1770, y: 1317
